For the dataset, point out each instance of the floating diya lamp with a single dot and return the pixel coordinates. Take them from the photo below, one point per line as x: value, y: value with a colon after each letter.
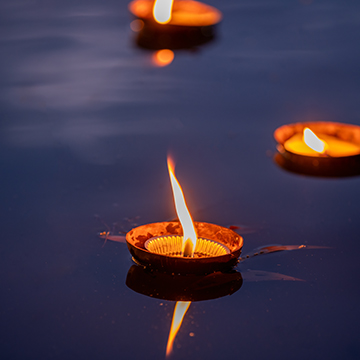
x: 173, y: 24
x: 184, y: 247
x: 319, y: 148
x: 183, y: 13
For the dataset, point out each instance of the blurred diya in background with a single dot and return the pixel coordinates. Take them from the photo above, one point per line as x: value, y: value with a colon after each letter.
x: 183, y: 13
x: 173, y: 24
x: 319, y: 148
x: 184, y: 246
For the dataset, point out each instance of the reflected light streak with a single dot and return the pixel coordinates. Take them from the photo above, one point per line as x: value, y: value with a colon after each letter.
x: 180, y: 310
x: 163, y: 57
x: 313, y: 142
x: 162, y: 11
x: 189, y: 237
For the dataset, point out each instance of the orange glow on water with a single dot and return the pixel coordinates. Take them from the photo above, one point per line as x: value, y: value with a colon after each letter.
x: 163, y: 57
x: 313, y: 142
x: 189, y: 237
x: 180, y: 310
x: 162, y: 11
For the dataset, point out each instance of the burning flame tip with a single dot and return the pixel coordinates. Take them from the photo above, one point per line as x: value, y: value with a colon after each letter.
x: 171, y: 163
x: 189, y: 232
x: 313, y: 142
x: 162, y: 11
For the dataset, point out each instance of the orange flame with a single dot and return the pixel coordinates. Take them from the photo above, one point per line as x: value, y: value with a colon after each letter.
x: 163, y: 57
x: 313, y: 142
x: 189, y: 237
x: 180, y: 310
x: 162, y: 11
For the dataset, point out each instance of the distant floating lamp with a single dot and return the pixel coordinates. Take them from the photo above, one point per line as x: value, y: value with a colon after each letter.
x: 319, y: 148
x: 173, y: 24
x: 185, y: 246
x: 186, y: 13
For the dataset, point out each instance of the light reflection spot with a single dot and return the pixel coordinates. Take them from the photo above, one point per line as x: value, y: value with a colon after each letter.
x: 136, y: 25
x: 163, y: 57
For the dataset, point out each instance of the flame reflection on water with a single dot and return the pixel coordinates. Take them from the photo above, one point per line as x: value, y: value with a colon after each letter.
x: 163, y: 57
x: 180, y: 310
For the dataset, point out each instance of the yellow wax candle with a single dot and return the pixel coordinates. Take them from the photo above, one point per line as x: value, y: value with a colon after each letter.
x: 335, y: 146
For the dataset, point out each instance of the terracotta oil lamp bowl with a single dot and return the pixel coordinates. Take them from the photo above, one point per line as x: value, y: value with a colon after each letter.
x: 221, y: 251
x: 319, y: 148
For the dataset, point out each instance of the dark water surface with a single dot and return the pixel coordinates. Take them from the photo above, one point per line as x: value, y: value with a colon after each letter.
x: 86, y: 124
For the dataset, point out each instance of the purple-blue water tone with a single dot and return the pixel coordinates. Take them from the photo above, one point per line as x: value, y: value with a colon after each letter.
x: 86, y: 124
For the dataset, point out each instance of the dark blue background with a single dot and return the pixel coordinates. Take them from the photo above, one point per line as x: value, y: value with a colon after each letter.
x: 86, y: 124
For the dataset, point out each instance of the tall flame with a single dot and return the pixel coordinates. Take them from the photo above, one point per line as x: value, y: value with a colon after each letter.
x: 180, y: 310
x: 190, y: 237
x: 162, y: 11
x: 313, y: 142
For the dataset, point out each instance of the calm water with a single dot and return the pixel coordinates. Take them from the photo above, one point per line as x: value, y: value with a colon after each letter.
x: 86, y: 123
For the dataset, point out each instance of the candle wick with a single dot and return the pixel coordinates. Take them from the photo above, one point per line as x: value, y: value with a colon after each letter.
x: 188, y: 248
